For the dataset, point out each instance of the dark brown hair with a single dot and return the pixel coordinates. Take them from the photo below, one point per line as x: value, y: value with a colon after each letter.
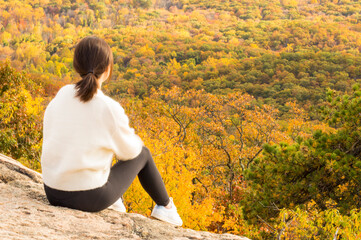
x: 92, y: 57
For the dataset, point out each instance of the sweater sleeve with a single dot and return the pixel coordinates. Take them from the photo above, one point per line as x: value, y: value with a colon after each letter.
x: 127, y: 145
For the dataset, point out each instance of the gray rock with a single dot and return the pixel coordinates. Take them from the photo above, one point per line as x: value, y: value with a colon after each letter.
x: 26, y: 214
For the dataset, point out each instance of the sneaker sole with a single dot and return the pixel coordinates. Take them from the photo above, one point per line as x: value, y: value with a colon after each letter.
x: 117, y: 209
x: 165, y: 219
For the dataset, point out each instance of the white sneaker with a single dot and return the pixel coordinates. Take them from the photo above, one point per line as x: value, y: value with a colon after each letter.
x: 118, y: 206
x: 167, y: 215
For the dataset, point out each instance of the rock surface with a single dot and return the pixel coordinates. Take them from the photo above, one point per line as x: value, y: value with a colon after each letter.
x: 25, y: 213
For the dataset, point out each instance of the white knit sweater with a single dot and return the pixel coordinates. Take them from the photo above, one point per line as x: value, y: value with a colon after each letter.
x: 80, y: 140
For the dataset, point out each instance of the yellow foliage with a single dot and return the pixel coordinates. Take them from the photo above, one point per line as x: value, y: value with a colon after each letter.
x: 199, y: 141
x: 5, y: 37
x: 173, y: 66
x: 313, y: 224
x: 145, y: 51
x: 21, y: 116
x: 233, y: 41
x: 254, y: 45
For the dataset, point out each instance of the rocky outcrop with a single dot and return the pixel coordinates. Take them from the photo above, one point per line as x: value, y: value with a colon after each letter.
x: 26, y: 214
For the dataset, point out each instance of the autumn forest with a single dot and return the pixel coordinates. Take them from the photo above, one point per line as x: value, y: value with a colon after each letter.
x: 251, y: 108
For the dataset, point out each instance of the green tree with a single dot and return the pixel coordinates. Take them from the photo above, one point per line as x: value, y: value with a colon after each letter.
x: 324, y: 169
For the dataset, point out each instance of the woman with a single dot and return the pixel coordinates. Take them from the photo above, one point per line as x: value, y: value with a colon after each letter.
x: 83, y: 129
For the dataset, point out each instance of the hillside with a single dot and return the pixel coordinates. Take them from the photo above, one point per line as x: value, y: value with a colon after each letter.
x: 274, y: 50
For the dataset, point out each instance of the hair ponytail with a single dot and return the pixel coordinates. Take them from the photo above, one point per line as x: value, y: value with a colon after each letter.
x: 91, y: 53
x: 87, y: 87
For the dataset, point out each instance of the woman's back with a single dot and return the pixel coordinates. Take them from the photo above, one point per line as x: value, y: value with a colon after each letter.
x: 80, y: 140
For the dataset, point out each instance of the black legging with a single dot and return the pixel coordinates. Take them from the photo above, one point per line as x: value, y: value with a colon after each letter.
x: 121, y: 176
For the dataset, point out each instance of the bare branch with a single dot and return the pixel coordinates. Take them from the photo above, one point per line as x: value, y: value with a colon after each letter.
x: 266, y: 223
x: 252, y: 159
x: 335, y: 236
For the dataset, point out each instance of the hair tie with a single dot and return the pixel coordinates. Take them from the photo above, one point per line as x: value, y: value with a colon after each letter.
x: 83, y: 75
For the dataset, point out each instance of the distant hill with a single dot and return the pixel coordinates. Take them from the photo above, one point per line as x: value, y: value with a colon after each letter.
x: 274, y: 50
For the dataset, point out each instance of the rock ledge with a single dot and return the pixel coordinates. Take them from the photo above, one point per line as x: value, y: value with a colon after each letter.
x: 26, y: 214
